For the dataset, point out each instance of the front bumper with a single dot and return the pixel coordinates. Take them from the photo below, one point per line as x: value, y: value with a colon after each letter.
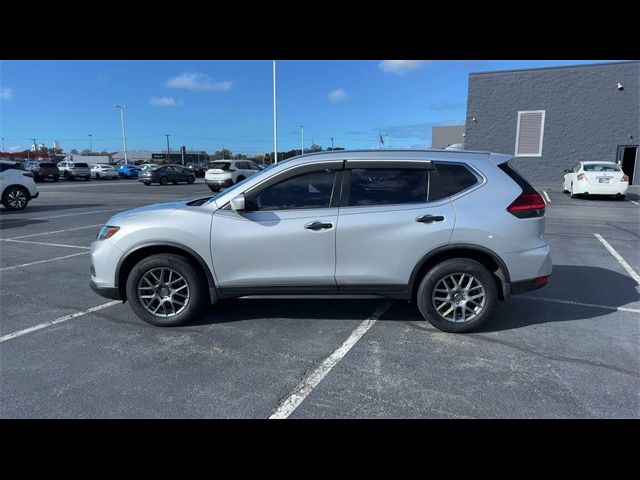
x: 106, y: 292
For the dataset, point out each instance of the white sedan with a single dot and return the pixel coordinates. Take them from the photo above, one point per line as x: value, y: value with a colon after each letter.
x: 596, y: 178
x: 99, y: 171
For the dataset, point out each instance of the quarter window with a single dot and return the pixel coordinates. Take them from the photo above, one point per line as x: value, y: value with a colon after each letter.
x: 308, y: 190
x: 381, y: 186
x: 456, y: 178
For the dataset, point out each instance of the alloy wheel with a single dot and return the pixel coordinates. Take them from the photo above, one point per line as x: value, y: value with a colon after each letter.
x: 16, y: 199
x: 163, y: 292
x: 459, y: 297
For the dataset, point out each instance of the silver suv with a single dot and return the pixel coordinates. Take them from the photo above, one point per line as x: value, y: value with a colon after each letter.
x: 453, y: 231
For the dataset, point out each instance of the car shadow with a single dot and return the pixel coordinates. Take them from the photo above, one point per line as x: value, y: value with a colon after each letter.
x: 8, y: 223
x: 49, y: 208
x: 593, y: 285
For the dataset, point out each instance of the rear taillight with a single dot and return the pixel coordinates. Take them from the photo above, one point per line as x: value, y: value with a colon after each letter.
x: 541, y: 280
x: 527, y: 205
x: 28, y: 174
x: 624, y: 178
x: 582, y: 177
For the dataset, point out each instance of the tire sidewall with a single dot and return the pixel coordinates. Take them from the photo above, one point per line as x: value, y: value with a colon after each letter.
x: 5, y: 198
x: 447, y: 267
x: 185, y: 268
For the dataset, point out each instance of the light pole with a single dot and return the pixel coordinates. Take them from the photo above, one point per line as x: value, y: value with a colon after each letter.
x: 35, y: 147
x: 167, y: 135
x: 90, y: 143
x: 302, y: 144
x: 331, y: 143
x: 2, y: 144
x: 275, y: 117
x: 124, y: 137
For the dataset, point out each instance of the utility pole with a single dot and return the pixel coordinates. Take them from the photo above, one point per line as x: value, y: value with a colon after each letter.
x: 168, y: 151
x: 302, y: 144
x: 2, y: 144
x: 90, y: 143
x: 331, y: 143
x: 124, y: 137
x: 275, y: 117
x: 35, y: 147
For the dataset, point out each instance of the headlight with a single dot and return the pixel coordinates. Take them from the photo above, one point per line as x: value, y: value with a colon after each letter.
x: 107, y: 232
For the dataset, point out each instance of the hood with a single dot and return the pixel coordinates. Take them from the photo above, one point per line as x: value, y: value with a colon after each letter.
x: 156, y: 208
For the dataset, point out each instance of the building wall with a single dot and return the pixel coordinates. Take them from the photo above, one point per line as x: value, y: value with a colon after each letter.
x: 443, y: 136
x: 587, y: 117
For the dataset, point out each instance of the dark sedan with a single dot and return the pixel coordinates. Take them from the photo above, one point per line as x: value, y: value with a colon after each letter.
x: 42, y: 170
x: 166, y: 174
x: 197, y: 168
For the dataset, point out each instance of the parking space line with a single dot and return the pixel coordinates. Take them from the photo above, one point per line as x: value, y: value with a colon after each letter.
x: 14, y: 267
x: 306, y: 386
x: 45, y: 243
x: 632, y: 201
x: 55, y: 231
x: 546, y: 196
x: 619, y: 258
x: 75, y: 214
x: 581, y: 304
x: 20, y: 333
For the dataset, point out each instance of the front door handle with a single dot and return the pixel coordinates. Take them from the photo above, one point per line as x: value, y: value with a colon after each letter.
x: 318, y: 225
x: 430, y: 218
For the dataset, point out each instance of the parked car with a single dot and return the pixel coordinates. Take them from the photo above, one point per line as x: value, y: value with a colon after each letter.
x: 595, y: 178
x: 166, y: 174
x: 128, y: 170
x: 454, y: 231
x: 72, y: 170
x: 224, y: 173
x: 42, y: 170
x: 17, y: 186
x: 101, y: 170
x: 198, y: 169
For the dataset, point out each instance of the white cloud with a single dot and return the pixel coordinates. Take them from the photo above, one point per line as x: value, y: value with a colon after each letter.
x: 337, y: 96
x: 15, y: 148
x: 165, y: 102
x: 400, y: 67
x: 6, y: 93
x: 197, y: 82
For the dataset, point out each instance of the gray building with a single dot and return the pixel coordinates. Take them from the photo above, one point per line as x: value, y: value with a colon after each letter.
x: 159, y: 156
x: 446, y: 135
x: 551, y: 118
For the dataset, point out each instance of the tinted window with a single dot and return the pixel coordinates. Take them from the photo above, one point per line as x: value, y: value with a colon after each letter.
x: 80, y: 165
x: 220, y: 165
x: 377, y: 186
x: 576, y: 168
x: 47, y: 164
x: 8, y: 166
x: 455, y: 178
x: 597, y: 167
x: 309, y: 190
x: 243, y: 165
x: 516, y: 177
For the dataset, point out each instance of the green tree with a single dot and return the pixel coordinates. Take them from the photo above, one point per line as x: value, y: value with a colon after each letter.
x: 74, y: 151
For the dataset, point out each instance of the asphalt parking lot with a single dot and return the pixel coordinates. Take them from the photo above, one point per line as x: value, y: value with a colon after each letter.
x: 570, y: 350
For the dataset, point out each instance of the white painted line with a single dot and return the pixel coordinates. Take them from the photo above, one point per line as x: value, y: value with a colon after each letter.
x: 634, y: 202
x: 19, y: 333
x: 56, y: 231
x: 306, y: 386
x: 14, y: 267
x: 546, y: 196
x: 45, y: 243
x: 75, y: 214
x: 619, y: 258
x: 569, y: 302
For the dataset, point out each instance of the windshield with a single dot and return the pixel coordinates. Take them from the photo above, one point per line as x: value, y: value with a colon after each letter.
x: 80, y: 165
x: 601, y: 167
x: 219, y: 165
x: 239, y: 184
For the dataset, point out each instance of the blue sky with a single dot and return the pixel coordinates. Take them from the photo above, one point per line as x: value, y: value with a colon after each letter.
x: 208, y: 104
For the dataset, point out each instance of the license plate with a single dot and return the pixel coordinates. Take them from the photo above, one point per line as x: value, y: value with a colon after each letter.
x: 603, y: 180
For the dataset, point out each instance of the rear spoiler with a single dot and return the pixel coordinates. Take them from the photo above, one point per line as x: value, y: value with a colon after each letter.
x: 499, y: 158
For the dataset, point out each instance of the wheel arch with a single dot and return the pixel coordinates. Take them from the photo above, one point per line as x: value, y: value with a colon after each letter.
x: 137, y: 253
x: 17, y: 185
x: 486, y: 257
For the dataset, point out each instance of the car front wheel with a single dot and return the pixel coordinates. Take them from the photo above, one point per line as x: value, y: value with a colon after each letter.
x: 15, y: 198
x: 165, y: 290
x: 457, y: 295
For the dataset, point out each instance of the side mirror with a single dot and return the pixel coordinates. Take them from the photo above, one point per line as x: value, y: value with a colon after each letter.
x: 237, y: 203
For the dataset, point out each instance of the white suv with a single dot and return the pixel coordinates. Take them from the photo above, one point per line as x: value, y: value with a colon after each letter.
x: 17, y: 185
x: 224, y: 173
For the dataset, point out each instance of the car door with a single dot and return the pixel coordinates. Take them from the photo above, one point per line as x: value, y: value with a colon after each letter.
x: 285, y: 240
x: 391, y: 215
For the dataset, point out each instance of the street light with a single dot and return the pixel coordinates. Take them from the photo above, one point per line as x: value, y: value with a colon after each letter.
x: 124, y: 137
x: 90, y: 143
x: 168, y: 151
x: 275, y: 117
x: 2, y: 144
x: 35, y: 147
x: 302, y: 144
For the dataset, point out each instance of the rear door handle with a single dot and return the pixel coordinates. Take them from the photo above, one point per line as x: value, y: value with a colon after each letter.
x: 430, y: 218
x: 318, y: 225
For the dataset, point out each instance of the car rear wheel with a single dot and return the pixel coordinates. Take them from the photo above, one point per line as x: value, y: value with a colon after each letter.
x: 15, y: 198
x: 190, y: 180
x: 165, y: 290
x: 214, y: 189
x: 164, y: 181
x: 457, y: 295
x: 147, y: 183
x: 239, y: 179
x: 97, y: 176
x: 56, y: 178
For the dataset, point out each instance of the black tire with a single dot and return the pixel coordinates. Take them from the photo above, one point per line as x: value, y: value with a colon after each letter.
x: 164, y: 181
x: 36, y: 177
x: 239, y: 179
x: 66, y: 176
x: 148, y: 184
x: 197, y: 289
x: 444, y: 269
x: 214, y: 189
x: 56, y: 179
x: 175, y: 183
x: 15, y: 198
x: 97, y: 176
x: 190, y: 180
x: 620, y: 197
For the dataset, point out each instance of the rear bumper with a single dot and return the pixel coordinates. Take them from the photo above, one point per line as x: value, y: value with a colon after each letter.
x: 219, y: 183
x: 527, y: 286
x: 604, y: 189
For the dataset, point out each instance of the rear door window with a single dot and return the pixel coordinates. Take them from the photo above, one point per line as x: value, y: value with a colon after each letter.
x: 387, y: 186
